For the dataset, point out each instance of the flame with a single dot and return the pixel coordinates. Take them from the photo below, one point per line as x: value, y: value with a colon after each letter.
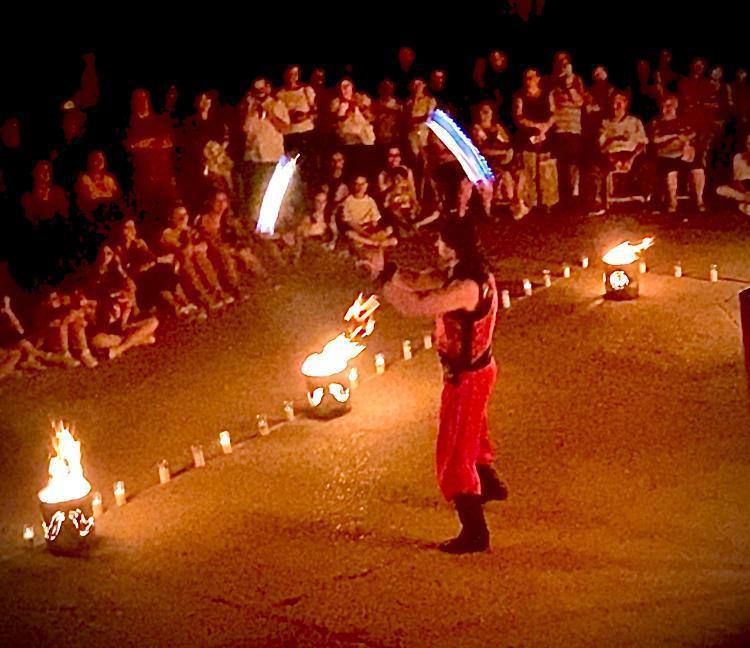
x: 626, y: 253
x: 66, y: 480
x: 335, y: 355
x: 269, y: 208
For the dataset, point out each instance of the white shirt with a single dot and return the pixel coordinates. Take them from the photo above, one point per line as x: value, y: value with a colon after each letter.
x: 301, y: 100
x: 264, y: 142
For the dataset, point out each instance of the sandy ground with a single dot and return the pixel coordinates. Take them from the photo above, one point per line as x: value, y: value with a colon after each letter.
x: 622, y: 430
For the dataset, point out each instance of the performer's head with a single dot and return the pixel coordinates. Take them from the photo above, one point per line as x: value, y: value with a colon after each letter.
x: 459, y: 249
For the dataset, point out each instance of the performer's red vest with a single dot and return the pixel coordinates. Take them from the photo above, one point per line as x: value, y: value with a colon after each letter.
x: 464, y: 339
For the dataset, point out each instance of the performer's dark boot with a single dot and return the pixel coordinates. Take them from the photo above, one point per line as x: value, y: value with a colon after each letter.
x: 474, y: 536
x: 492, y: 486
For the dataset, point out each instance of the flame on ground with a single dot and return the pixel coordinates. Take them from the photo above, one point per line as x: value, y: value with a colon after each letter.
x: 336, y: 354
x: 626, y: 252
x: 66, y: 480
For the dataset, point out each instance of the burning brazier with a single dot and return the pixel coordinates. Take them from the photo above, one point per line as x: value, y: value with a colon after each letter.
x: 621, y: 269
x: 327, y: 373
x: 65, y: 503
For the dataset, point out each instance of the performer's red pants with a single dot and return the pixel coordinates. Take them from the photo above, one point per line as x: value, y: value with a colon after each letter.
x: 463, y: 437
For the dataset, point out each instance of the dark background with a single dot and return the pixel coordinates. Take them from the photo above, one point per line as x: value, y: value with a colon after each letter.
x: 223, y: 46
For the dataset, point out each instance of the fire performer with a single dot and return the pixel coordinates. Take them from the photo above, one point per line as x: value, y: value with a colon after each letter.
x: 465, y: 308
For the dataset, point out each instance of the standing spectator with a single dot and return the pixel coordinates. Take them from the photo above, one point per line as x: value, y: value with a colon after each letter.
x: 150, y: 141
x: 170, y: 101
x: 351, y: 113
x: 266, y: 121
x: 495, y: 79
x: 437, y: 87
x: 405, y: 72
x: 672, y: 146
x: 206, y: 125
x: 665, y: 78
x: 301, y: 104
x: 622, y: 140
x: 566, y: 139
x: 494, y: 143
x: 388, y: 113
x: 739, y: 102
x: 537, y: 179
x: 88, y: 94
x: 419, y: 108
x: 13, y: 162
x: 695, y: 93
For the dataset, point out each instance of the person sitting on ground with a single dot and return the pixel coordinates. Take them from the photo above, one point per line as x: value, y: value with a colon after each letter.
x: 672, y: 147
x: 739, y: 190
x: 360, y: 221
x: 179, y: 241
x: 334, y: 182
x: 393, y: 166
x: 11, y: 337
x: 133, y: 252
x: 400, y: 202
x: 622, y: 141
x: 114, y: 305
x: 57, y: 314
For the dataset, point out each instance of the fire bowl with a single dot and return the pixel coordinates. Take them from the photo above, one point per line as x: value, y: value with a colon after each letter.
x: 328, y: 396
x: 620, y: 281
x: 68, y: 526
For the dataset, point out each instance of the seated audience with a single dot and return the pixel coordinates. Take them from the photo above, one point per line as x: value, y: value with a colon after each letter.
x: 672, y: 146
x: 739, y: 190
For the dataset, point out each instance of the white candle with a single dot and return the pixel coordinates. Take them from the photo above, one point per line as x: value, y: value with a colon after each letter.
x: 406, y: 347
x: 164, y: 474
x: 96, y: 504
x: 225, y: 441
x: 427, y: 340
x: 527, y: 287
x: 547, y: 278
x: 678, y: 269
x: 584, y: 261
x: 28, y: 534
x: 379, y: 363
x: 289, y: 410
x: 505, y: 296
x: 120, y: 496
x: 198, y: 459
x: 262, y: 425
x: 714, y: 273
x: 353, y: 377
x: 642, y: 268
x: 566, y: 271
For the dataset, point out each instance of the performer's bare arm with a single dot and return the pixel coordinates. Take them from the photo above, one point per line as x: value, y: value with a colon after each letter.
x: 457, y: 295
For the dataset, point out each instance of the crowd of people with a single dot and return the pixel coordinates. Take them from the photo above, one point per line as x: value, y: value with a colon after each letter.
x: 105, y: 254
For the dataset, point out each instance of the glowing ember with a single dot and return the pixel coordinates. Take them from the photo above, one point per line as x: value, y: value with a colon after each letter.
x: 66, y: 480
x: 468, y: 156
x: 269, y: 208
x: 336, y: 354
x: 626, y: 253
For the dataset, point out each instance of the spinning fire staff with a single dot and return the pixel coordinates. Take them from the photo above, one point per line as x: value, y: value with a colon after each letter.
x: 465, y: 308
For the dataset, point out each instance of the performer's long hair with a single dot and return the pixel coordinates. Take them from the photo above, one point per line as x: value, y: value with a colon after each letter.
x: 460, y: 235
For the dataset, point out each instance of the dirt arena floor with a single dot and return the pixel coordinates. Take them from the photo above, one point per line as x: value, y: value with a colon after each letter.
x: 622, y: 430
